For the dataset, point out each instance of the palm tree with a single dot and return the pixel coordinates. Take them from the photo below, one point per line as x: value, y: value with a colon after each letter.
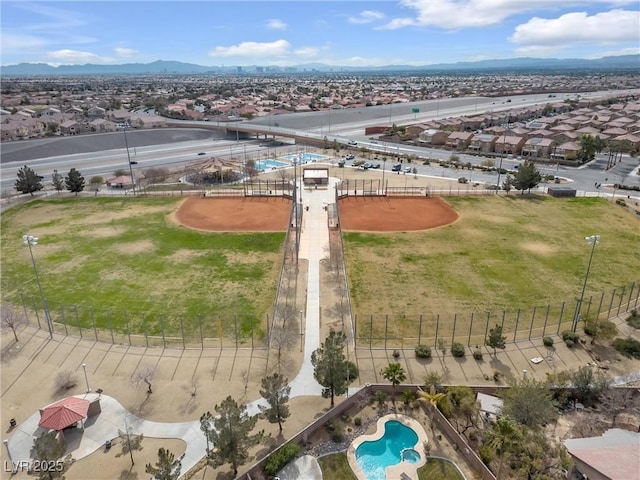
x: 432, y: 397
x: 504, y: 434
x: 395, y: 374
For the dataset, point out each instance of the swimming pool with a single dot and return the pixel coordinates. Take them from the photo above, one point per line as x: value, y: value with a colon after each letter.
x: 305, y: 157
x: 269, y: 164
x: 395, y: 445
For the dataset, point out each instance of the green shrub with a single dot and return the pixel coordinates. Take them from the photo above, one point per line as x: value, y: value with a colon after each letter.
x: 547, y: 341
x: 629, y: 347
x: 463, y: 180
x: 457, y: 349
x: 337, y: 436
x: 600, y: 329
x: 570, y: 338
x: 278, y: 459
x: 477, y: 354
x: 357, y: 421
x: 423, y: 351
x: 634, y: 319
x: 486, y: 453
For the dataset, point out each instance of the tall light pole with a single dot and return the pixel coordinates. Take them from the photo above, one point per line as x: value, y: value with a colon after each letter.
x: 384, y: 167
x: 504, y: 144
x: 124, y: 127
x: 592, y: 241
x: 86, y: 379
x: 31, y: 241
x: 6, y: 445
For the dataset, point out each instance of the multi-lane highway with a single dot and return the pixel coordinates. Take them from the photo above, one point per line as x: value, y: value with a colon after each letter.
x: 103, y: 154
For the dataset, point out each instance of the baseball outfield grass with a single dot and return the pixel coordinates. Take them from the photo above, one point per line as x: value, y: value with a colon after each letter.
x: 504, y: 253
x: 100, y: 257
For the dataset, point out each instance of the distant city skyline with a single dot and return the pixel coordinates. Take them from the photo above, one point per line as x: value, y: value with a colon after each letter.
x: 346, y: 33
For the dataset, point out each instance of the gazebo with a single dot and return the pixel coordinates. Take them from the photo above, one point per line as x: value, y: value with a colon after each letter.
x: 64, y: 413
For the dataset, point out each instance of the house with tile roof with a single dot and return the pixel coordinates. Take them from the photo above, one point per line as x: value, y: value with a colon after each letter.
x: 615, y: 455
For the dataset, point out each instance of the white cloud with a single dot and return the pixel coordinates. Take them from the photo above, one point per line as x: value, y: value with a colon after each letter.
x: 19, y: 42
x: 125, y: 52
x: 615, y: 26
x: 366, y: 16
x: 306, y: 52
x: 457, y: 14
x: 275, y: 24
x: 278, y: 48
x: 75, y: 56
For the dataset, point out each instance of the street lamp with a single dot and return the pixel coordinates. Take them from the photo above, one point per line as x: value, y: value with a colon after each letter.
x: 124, y: 127
x: 592, y: 241
x: 504, y: 144
x: 6, y: 444
x: 301, y: 330
x: 86, y: 379
x: 384, y: 167
x: 31, y: 241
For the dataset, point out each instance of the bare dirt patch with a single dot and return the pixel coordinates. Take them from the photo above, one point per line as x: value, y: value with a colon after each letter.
x: 241, y: 214
x: 390, y: 214
x: 103, y: 232
x: 538, y: 248
x: 135, y: 210
x: 133, y: 248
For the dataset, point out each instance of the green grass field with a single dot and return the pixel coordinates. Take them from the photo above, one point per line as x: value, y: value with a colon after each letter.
x: 124, y: 254
x: 504, y: 253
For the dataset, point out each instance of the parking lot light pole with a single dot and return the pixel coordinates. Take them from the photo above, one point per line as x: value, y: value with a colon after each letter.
x: 592, y: 241
x: 31, y: 241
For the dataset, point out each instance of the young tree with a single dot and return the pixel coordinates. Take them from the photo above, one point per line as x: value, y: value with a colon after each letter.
x: 57, y: 181
x: 11, y: 319
x: 432, y: 379
x: 167, y: 467
x: 74, y: 181
x: 589, y: 383
x: 496, y: 339
x: 144, y: 375
x: 465, y: 410
x: 395, y: 374
x: 330, y: 367
x: 28, y: 181
x: 96, y: 181
x: 276, y: 392
x: 526, y: 177
x: 529, y: 402
x: 507, y: 184
x: 229, y: 433
x: 47, y: 451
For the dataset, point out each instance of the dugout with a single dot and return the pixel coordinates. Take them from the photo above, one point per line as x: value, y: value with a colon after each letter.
x: 315, y: 176
x: 561, y: 191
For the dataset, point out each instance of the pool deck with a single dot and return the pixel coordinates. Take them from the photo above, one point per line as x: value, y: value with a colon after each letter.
x: 403, y: 469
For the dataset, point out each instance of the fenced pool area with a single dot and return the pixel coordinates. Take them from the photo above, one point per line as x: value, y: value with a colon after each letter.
x: 306, y: 157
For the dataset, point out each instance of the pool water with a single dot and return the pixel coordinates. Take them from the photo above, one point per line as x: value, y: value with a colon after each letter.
x: 396, y: 444
x: 269, y: 164
x: 305, y: 157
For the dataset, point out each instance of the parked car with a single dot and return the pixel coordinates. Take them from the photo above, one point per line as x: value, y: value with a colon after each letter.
x: 202, y: 153
x: 353, y: 143
x: 397, y: 167
x: 407, y: 169
x: 375, y: 165
x: 349, y: 157
x: 364, y: 166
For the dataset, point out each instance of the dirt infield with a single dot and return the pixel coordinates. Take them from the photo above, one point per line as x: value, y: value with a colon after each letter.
x: 235, y: 214
x: 392, y: 214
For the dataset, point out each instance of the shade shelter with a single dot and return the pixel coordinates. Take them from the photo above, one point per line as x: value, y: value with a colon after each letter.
x: 63, y: 414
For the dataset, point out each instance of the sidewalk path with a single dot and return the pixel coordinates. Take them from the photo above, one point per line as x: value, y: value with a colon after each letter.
x: 82, y: 442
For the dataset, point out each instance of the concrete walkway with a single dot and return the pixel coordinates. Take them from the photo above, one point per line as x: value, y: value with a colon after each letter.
x: 82, y: 442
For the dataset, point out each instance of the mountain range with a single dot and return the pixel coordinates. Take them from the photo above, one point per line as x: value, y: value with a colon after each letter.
x: 160, y: 67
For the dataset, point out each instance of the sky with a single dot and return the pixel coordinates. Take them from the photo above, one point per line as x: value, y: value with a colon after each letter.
x: 341, y: 33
